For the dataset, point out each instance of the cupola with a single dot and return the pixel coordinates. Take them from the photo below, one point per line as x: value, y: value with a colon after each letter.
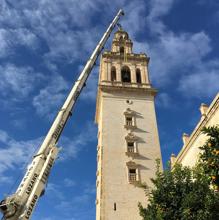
x: 121, y: 42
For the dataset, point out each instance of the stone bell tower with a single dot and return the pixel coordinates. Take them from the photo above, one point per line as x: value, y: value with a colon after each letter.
x: 128, y: 142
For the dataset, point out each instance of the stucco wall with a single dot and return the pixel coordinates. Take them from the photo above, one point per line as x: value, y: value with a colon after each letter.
x: 189, y: 154
x: 113, y: 173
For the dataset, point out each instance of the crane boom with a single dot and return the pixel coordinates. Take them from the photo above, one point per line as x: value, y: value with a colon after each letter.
x: 21, y: 204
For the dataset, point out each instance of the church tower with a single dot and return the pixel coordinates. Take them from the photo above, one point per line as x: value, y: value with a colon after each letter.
x: 128, y: 142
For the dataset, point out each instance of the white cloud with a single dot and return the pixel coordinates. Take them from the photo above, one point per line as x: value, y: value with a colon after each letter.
x: 176, y: 54
x: 135, y: 15
x: 200, y: 84
x: 60, y: 34
x: 69, y: 182
x: 19, y: 123
x: 70, y: 36
x: 164, y: 100
x: 10, y: 38
x: 14, y: 154
x: 90, y: 189
x: 72, y: 146
x: 24, y: 36
x: 73, y: 204
x: 9, y: 15
x: 89, y: 92
x: 209, y: 3
x: 158, y: 8
x: 179, y: 56
x: 173, y: 53
x: 50, y: 98
x: 23, y: 151
x: 76, y: 203
x: 54, y: 190
x: 4, y: 138
x: 4, y: 47
x: 17, y: 82
x: 71, y: 46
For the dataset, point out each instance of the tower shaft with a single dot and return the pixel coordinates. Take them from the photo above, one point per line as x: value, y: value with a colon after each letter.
x: 128, y: 142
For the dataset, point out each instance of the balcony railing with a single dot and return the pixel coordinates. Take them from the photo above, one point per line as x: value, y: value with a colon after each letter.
x: 131, y: 149
x: 132, y: 177
x: 129, y: 122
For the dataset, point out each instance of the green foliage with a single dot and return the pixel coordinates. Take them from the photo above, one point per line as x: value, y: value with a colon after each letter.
x: 209, y: 157
x: 184, y: 193
x: 181, y: 194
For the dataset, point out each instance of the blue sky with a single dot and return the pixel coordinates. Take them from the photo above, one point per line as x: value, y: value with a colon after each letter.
x: 44, y: 45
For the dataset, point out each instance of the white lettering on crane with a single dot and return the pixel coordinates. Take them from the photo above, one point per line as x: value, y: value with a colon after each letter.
x: 58, y: 131
x: 47, y: 170
x: 31, y: 184
x: 31, y: 207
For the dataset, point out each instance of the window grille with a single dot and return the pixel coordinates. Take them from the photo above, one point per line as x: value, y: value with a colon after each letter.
x: 129, y: 121
x: 132, y: 175
x: 131, y: 148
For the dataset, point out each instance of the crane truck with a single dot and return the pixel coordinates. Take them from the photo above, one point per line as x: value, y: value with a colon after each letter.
x: 21, y: 204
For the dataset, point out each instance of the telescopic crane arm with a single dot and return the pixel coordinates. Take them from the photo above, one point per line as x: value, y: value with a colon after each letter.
x: 21, y: 204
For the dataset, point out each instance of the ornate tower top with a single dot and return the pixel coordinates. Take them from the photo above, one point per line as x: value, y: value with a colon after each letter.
x: 121, y: 42
x: 120, y: 67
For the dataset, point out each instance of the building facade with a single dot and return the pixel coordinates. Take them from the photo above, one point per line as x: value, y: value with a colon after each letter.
x: 128, y: 142
x: 189, y: 154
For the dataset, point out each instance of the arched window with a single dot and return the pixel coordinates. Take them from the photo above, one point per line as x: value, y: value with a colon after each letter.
x: 138, y: 76
x: 122, y: 50
x: 125, y: 74
x: 113, y: 74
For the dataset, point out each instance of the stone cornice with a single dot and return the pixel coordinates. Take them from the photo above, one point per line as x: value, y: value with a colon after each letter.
x: 132, y: 56
x: 116, y: 85
x: 196, y: 132
x: 131, y: 137
x: 108, y: 86
x: 118, y: 42
x: 132, y: 164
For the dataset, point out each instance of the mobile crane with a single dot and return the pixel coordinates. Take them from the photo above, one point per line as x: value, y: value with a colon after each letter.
x: 20, y: 205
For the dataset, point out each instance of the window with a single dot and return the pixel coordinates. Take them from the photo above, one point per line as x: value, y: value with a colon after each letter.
x: 121, y: 50
x: 113, y: 74
x: 126, y: 75
x: 133, y: 172
x: 129, y: 121
x: 130, y: 147
x: 132, y: 175
x: 138, y: 76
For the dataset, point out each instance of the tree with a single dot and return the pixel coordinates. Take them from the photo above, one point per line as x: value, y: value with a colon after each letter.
x: 185, y: 193
x: 209, y: 157
x: 181, y: 194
